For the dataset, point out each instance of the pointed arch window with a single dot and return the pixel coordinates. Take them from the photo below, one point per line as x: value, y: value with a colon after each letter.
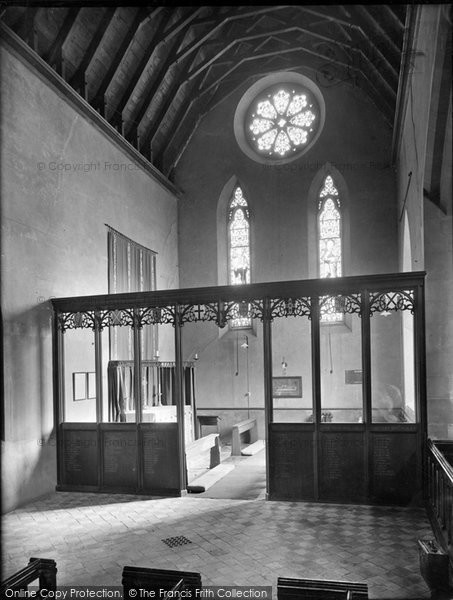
x: 239, y: 250
x: 330, y: 253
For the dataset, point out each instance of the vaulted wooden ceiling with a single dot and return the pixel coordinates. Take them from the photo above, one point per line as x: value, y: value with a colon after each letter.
x: 153, y: 72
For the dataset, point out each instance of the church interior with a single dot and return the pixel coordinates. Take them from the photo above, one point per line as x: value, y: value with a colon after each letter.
x: 227, y: 297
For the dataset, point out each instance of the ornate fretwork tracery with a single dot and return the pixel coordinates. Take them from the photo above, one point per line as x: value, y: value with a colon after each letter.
x: 222, y: 312
x: 392, y: 301
x: 290, y: 307
x: 339, y: 304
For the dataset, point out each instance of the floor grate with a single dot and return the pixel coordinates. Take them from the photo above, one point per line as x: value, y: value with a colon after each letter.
x: 179, y: 540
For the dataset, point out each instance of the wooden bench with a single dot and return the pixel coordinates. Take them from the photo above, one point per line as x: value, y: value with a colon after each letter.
x: 136, y: 578
x: 315, y: 589
x: 209, y: 421
x: 43, y: 569
x: 203, y: 453
x: 248, y: 426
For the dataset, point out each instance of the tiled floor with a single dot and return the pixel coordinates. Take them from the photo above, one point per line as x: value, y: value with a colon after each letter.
x: 233, y: 542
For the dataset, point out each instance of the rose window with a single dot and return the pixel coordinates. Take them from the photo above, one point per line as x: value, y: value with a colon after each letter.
x: 281, y: 122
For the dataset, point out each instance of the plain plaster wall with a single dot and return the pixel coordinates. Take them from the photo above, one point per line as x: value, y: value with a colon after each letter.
x: 356, y: 141
x: 428, y: 228
x: 61, y: 182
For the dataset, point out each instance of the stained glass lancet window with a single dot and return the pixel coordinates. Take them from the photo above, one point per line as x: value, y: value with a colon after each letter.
x: 239, y: 248
x: 329, y: 242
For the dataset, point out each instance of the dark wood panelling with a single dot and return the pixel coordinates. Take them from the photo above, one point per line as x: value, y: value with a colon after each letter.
x: 119, y: 464
x: 160, y: 457
x: 342, y: 466
x: 394, y: 476
x: 291, y: 465
x: 80, y: 455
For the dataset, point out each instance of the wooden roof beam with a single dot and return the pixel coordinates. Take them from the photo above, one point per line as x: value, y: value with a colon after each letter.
x: 154, y: 84
x: 286, y: 30
x: 54, y: 55
x: 27, y: 31
x: 153, y: 41
x: 77, y: 81
x: 177, y: 118
x: 232, y: 15
x: 398, y: 26
x: 160, y: 114
x: 371, y: 21
x: 98, y: 101
x: 328, y: 60
x: 163, y: 35
x: 184, y: 22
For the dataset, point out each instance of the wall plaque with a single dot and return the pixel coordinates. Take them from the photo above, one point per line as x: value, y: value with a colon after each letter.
x: 354, y: 376
x: 287, y: 387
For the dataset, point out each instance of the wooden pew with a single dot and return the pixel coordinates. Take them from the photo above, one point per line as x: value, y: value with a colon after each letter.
x: 135, y: 578
x: 204, y: 452
x: 43, y: 569
x: 247, y: 426
x: 314, y: 589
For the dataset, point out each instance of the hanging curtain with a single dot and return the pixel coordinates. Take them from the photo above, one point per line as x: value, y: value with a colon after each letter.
x: 131, y: 268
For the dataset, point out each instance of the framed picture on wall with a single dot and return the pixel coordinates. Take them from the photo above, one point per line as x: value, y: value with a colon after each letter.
x: 287, y: 387
x: 79, y: 386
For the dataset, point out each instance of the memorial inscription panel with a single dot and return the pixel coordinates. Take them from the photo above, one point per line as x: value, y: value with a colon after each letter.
x: 342, y: 466
x: 80, y: 457
x: 120, y: 458
x: 291, y: 462
x: 160, y: 456
x: 393, y: 467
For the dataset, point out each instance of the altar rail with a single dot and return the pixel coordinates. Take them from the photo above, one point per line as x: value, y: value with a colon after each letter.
x: 43, y: 569
x: 440, y: 492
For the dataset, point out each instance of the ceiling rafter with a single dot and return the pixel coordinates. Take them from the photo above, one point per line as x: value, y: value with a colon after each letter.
x: 99, y: 99
x: 185, y: 141
x: 28, y: 32
x: 392, y: 18
x: 170, y: 94
x: 177, y: 27
x: 152, y: 43
x: 269, y: 40
x: 177, y: 118
x: 153, y: 86
x: 285, y: 30
x: 232, y: 15
x: 162, y: 36
x: 54, y: 55
x: 77, y: 81
x: 328, y: 59
x: 262, y: 22
x: 176, y: 129
x: 374, y: 48
x: 371, y: 21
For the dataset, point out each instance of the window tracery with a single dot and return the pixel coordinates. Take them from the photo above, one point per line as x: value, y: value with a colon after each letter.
x: 282, y: 122
x: 239, y: 246
x: 329, y: 242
